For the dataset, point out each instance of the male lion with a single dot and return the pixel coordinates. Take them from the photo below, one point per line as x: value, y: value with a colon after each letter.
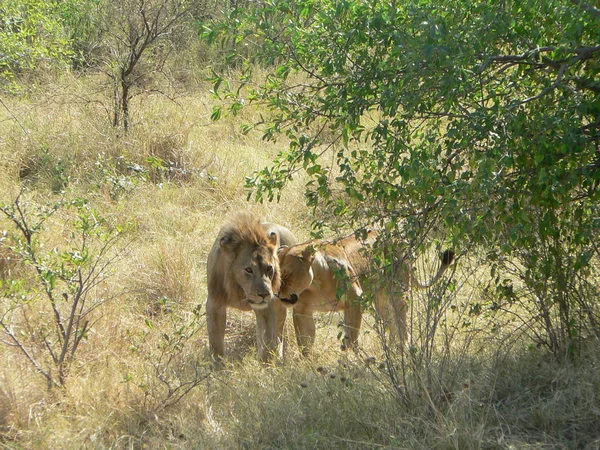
x: 243, y: 273
x: 315, y: 274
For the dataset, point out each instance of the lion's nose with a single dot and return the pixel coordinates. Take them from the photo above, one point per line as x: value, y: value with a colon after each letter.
x: 294, y: 298
x: 263, y: 295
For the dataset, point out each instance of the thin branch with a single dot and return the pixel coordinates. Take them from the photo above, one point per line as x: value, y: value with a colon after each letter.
x: 548, y: 89
x: 29, y: 356
x: 17, y: 121
x: 514, y: 59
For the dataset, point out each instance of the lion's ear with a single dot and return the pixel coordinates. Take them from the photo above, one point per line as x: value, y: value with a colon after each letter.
x: 274, y: 239
x: 228, y: 243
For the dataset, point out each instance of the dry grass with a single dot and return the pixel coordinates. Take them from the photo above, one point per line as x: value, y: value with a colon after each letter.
x: 478, y: 388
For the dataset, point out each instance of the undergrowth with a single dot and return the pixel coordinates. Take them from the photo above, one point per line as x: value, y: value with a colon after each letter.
x: 142, y: 378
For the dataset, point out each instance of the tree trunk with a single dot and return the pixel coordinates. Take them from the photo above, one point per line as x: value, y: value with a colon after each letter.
x: 125, y: 103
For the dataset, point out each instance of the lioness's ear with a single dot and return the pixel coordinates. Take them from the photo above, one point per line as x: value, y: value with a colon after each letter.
x: 283, y: 250
x: 308, y: 254
x: 274, y: 239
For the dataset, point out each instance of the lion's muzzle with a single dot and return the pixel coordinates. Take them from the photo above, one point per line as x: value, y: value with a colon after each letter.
x: 261, y: 301
x: 257, y: 305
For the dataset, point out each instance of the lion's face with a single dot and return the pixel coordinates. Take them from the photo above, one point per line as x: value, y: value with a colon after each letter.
x: 256, y: 271
x: 296, y: 273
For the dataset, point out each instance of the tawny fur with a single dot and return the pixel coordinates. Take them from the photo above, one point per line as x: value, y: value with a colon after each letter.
x: 243, y: 273
x: 315, y: 273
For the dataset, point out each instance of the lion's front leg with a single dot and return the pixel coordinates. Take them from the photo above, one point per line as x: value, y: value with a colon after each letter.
x: 216, y: 315
x: 266, y: 333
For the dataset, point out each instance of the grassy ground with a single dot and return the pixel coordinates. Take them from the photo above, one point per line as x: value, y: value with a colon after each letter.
x: 141, y: 378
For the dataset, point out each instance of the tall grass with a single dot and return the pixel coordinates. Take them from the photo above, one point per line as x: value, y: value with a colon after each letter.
x: 473, y: 383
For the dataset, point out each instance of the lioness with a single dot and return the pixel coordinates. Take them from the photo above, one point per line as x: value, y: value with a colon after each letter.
x: 315, y: 273
x: 243, y: 273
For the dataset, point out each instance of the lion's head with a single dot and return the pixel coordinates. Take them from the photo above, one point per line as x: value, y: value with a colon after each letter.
x: 252, y: 262
x: 296, y: 272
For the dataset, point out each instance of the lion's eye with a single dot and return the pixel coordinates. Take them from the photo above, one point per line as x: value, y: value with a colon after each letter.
x: 248, y: 270
x: 269, y: 270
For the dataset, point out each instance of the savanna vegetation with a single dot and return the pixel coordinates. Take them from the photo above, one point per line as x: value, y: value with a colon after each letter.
x: 130, y: 131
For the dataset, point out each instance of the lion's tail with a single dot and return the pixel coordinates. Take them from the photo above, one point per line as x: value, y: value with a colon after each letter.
x: 446, y: 258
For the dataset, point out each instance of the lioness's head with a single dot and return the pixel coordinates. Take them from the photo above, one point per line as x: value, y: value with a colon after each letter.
x: 254, y: 264
x: 296, y: 272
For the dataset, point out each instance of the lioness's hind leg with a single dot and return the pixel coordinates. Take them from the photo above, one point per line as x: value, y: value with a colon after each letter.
x: 392, y: 309
x: 399, y: 325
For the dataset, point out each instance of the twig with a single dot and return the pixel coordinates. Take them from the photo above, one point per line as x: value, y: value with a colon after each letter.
x: 28, y: 355
x: 17, y: 121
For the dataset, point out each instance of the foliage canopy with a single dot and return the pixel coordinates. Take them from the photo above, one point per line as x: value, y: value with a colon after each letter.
x: 480, y: 116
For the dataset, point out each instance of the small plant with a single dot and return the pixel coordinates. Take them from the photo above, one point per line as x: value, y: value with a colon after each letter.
x: 118, y: 176
x: 44, y: 167
x: 47, y: 313
x: 169, y: 354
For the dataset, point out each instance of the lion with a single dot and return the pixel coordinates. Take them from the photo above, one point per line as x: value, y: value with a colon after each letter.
x: 315, y: 273
x: 243, y: 273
